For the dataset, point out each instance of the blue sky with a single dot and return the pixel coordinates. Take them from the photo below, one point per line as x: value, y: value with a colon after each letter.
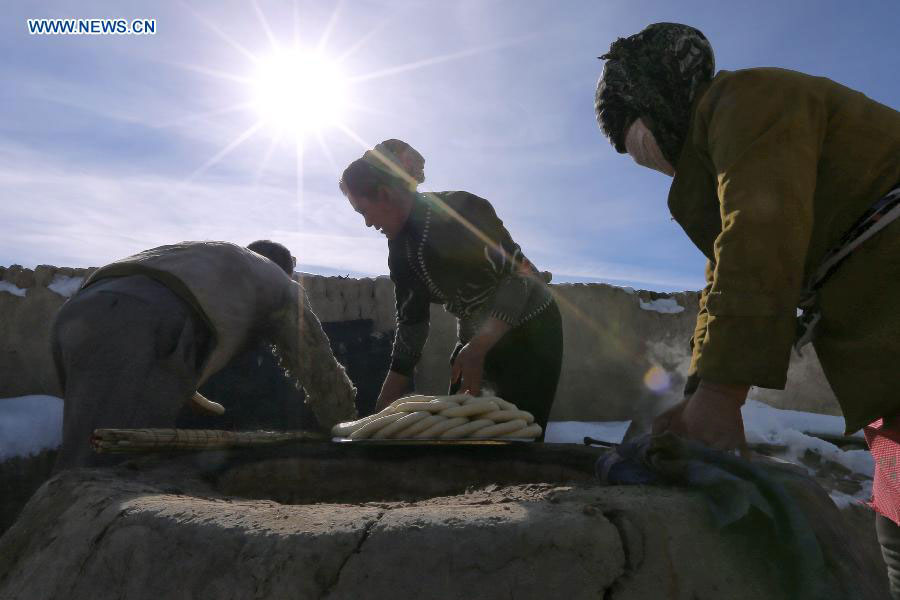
x: 106, y: 142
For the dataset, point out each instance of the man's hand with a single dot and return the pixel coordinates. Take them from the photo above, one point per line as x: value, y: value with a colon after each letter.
x: 394, y: 386
x: 712, y: 416
x: 469, y: 365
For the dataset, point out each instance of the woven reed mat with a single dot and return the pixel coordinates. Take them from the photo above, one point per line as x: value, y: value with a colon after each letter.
x: 154, y: 440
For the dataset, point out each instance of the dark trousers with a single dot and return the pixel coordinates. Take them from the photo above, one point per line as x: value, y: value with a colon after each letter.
x: 128, y: 352
x: 523, y: 367
x: 889, y: 538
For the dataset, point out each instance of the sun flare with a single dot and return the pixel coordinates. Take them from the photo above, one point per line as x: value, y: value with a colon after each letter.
x: 299, y: 92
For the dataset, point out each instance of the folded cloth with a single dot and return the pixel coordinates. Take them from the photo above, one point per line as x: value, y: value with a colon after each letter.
x: 734, y: 487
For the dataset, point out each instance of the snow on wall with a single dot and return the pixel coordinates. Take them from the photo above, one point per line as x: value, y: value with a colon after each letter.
x: 11, y: 288
x: 662, y: 305
x: 65, y: 285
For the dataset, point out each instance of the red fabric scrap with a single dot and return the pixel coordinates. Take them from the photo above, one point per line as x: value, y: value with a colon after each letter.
x: 884, y: 444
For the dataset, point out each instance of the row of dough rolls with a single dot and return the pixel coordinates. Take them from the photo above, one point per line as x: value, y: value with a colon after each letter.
x: 444, y: 418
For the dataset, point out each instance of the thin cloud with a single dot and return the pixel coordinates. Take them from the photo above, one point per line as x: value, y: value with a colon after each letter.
x: 72, y: 218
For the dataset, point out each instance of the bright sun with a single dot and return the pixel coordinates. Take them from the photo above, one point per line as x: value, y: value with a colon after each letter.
x: 298, y: 92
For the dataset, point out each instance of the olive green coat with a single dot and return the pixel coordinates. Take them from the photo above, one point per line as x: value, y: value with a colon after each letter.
x: 777, y: 166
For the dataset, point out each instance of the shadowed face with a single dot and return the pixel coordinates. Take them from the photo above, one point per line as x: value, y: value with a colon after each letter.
x: 382, y: 213
x: 641, y: 145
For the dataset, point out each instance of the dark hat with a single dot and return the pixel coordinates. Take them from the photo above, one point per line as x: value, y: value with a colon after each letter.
x: 653, y: 75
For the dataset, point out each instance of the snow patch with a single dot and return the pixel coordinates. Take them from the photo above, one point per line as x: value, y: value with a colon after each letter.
x: 766, y: 425
x: 65, y: 285
x: 29, y: 424
x: 12, y: 288
x: 765, y: 416
x: 858, y: 461
x: 662, y: 305
x: 843, y: 500
x: 574, y: 432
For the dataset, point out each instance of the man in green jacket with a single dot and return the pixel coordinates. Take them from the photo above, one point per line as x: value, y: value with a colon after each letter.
x: 782, y: 180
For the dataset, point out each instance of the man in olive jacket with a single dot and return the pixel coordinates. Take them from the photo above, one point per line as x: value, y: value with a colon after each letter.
x: 143, y: 333
x: 775, y: 172
x: 771, y: 168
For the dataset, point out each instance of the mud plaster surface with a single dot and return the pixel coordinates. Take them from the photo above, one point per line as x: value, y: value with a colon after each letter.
x: 168, y: 530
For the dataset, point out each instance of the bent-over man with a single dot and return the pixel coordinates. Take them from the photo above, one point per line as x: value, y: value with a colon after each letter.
x: 145, y: 332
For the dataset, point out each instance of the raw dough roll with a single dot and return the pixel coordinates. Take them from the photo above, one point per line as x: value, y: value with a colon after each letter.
x: 458, y: 398
x: 419, y: 427
x: 346, y: 428
x: 501, y: 416
x: 469, y: 410
x: 532, y: 431
x: 399, y: 401
x: 504, y: 405
x: 403, y: 422
x: 376, y: 424
x: 499, y: 429
x: 445, y: 417
x: 439, y: 428
x: 467, y: 399
x: 434, y: 406
x: 465, y: 429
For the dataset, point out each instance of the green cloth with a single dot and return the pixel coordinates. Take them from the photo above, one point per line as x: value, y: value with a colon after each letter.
x: 778, y: 165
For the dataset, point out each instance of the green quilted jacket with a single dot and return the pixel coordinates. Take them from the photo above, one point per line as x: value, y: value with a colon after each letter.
x: 777, y: 166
